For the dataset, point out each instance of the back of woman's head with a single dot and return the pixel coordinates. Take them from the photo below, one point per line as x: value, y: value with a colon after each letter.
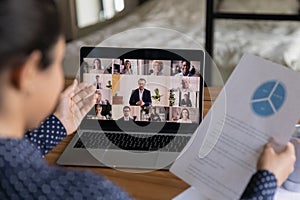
x: 26, y: 26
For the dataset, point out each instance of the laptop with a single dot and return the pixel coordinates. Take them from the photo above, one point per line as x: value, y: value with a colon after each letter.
x: 149, y: 105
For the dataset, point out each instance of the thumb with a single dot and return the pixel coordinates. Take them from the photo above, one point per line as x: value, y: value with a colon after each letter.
x: 289, y: 149
x: 268, y: 147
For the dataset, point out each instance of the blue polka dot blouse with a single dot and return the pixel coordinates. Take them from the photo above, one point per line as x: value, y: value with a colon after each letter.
x: 24, y: 174
x: 48, y: 135
x: 262, y: 186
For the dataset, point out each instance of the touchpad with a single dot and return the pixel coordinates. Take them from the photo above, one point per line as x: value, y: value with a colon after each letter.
x: 126, y: 159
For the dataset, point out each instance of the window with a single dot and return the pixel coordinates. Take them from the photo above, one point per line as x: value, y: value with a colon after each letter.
x: 94, y: 11
x: 82, y: 17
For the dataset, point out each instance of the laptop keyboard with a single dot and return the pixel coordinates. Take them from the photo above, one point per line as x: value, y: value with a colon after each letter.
x: 135, y: 142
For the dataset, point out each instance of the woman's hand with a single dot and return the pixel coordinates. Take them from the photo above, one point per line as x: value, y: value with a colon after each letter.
x: 74, y: 103
x: 280, y: 164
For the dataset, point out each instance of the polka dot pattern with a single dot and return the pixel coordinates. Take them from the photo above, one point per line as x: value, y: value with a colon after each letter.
x: 24, y: 174
x: 48, y: 135
x: 262, y: 185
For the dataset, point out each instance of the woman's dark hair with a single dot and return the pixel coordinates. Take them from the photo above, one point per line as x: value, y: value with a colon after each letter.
x: 127, y: 61
x: 99, y: 61
x: 26, y: 26
x: 105, y: 110
x: 98, y: 105
x: 187, y: 112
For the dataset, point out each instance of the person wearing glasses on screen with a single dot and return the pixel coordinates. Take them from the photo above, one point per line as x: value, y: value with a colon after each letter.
x: 126, y: 115
x: 140, y: 96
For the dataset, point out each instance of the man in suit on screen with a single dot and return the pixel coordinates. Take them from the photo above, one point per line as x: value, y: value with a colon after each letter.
x: 126, y: 115
x: 140, y: 96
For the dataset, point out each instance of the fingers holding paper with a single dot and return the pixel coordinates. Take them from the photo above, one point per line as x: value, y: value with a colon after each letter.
x: 280, y: 164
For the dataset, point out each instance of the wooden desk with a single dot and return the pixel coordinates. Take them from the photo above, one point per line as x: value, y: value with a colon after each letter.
x: 155, y: 185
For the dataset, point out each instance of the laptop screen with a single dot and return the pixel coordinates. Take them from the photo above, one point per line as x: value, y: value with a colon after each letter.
x: 139, y: 89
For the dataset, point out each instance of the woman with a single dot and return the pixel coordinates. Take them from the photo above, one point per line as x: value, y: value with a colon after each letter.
x: 31, y: 78
x: 107, y: 109
x: 184, y: 116
x: 157, y: 67
x: 127, y: 68
x: 99, y: 112
x: 96, y: 66
x: 85, y: 67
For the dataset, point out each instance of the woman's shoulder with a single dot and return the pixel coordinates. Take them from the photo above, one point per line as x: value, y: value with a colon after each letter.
x: 96, y: 71
x: 185, y: 121
x: 57, y: 183
x: 89, y: 184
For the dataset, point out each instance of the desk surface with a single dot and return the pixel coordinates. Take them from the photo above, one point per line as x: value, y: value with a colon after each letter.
x: 159, y: 184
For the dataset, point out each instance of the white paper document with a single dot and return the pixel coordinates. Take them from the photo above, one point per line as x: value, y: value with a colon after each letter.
x: 258, y: 104
x: 192, y: 193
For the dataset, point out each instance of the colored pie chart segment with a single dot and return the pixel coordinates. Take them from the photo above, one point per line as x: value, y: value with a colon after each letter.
x: 268, y: 98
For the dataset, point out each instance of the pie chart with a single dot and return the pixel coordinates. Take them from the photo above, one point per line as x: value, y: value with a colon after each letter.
x: 268, y: 98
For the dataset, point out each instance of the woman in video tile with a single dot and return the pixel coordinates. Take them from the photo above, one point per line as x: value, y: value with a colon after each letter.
x: 184, y: 116
x: 127, y: 68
